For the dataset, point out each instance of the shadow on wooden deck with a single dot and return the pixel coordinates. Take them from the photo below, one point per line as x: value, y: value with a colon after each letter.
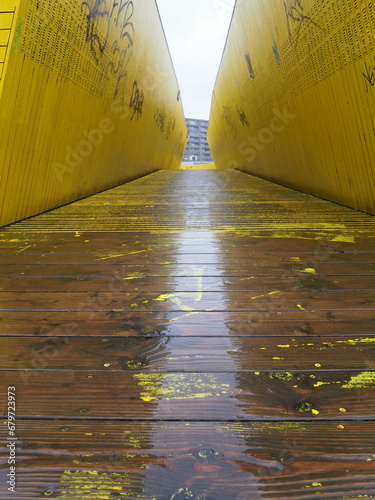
x: 200, y: 335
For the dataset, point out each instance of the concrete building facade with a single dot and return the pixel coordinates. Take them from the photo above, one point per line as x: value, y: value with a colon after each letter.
x: 197, y: 149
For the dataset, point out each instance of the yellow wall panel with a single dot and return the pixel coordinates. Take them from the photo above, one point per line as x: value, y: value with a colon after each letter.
x: 294, y: 97
x: 89, y: 99
x: 8, y: 16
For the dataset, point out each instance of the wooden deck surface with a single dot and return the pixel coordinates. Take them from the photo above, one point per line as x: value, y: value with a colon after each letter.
x: 192, y: 335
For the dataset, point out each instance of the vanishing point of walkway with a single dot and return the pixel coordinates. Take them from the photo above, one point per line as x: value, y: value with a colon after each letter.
x: 200, y: 335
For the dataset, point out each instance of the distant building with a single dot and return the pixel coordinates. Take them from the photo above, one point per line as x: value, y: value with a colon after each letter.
x: 197, y: 149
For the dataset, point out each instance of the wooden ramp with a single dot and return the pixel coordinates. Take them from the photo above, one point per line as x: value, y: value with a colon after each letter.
x: 192, y: 335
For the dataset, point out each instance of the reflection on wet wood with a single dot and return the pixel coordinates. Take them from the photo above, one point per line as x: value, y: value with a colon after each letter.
x: 191, y: 336
x: 186, y: 284
x: 300, y: 243
x: 220, y: 396
x: 293, y: 260
x: 188, y: 270
x: 229, y: 460
x: 204, y: 323
x: 189, y: 301
x: 186, y: 354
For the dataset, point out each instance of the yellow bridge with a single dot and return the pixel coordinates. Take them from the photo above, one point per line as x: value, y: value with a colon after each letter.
x: 172, y: 334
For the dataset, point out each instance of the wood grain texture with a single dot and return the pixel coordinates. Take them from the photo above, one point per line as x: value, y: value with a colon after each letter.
x: 314, y: 394
x: 186, y: 354
x: 209, y: 336
x: 207, y: 324
x: 185, y: 284
x: 255, y: 460
x: 141, y: 257
x: 113, y: 301
x: 23, y: 239
x: 186, y: 270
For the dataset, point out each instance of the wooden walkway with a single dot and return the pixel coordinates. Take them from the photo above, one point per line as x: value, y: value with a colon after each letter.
x: 192, y: 335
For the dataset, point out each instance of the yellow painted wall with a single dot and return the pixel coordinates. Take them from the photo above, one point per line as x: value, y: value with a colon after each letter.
x: 8, y: 10
x: 294, y: 97
x: 88, y: 100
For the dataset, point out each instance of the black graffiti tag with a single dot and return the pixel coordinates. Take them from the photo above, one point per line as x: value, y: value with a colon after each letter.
x: 243, y: 117
x: 294, y: 11
x: 97, y: 26
x: 101, y: 15
x: 136, y: 101
x: 249, y: 66
x: 369, y: 75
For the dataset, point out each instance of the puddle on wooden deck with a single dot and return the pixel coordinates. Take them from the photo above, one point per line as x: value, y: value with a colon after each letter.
x: 199, y: 335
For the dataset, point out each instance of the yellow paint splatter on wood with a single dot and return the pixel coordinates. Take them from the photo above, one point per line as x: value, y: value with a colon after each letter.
x: 157, y: 386
x: 92, y: 484
x: 282, y: 375
x: 313, y: 485
x: 366, y: 340
x: 344, y: 238
x: 362, y: 381
x: 163, y: 297
x: 110, y: 255
x: 135, y: 276
x: 265, y: 295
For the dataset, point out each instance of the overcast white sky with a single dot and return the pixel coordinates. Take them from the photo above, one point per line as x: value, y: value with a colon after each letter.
x: 196, y: 31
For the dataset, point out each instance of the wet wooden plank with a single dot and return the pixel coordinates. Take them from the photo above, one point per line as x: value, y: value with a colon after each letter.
x: 186, y: 354
x: 289, y: 212
x: 221, y: 323
x: 242, y: 222
x: 181, y: 270
x: 316, y: 245
x: 202, y: 461
x: 249, y: 223
x: 260, y: 395
x: 115, y: 257
x: 111, y: 301
x: 188, y: 284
